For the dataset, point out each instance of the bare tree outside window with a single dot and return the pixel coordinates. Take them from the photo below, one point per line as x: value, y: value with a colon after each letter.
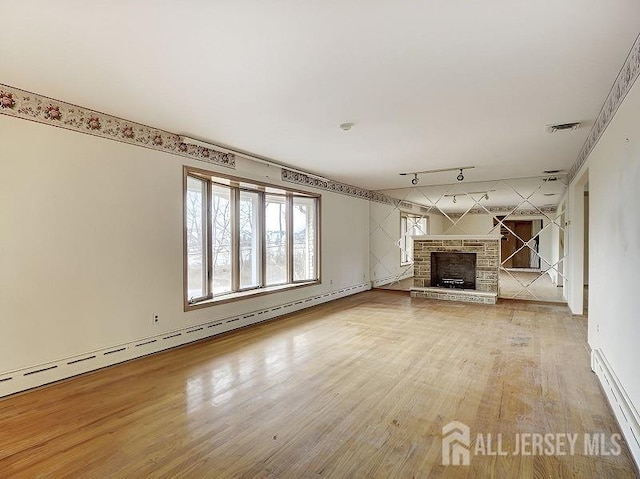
x: 249, y: 240
x: 196, y: 237
x: 304, y: 239
x: 276, y: 239
x: 221, y: 238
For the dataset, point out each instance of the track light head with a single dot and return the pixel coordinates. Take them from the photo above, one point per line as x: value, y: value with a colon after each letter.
x: 415, y: 180
x: 460, y: 176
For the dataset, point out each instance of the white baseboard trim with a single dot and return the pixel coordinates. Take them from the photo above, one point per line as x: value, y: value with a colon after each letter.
x: 392, y: 279
x: 623, y: 409
x: 19, y: 380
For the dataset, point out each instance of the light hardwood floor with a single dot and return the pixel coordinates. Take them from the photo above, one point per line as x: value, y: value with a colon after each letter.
x: 357, y: 388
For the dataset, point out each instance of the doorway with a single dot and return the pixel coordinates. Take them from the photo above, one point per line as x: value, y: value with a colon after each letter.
x: 514, y: 253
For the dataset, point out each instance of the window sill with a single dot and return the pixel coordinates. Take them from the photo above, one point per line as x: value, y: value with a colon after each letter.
x: 240, y: 295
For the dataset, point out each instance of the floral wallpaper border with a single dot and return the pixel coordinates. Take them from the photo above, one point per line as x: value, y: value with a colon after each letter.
x: 306, y: 180
x: 508, y: 210
x: 336, y: 187
x: 625, y: 80
x: 30, y: 106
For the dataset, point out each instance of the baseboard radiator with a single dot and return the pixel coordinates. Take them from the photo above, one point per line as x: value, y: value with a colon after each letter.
x: 623, y: 409
x: 19, y: 380
x: 392, y: 279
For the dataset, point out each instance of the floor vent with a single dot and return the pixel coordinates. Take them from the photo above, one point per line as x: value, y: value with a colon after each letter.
x: 5, y: 379
x: 81, y: 360
x: 194, y: 330
x: 635, y: 437
x: 562, y: 127
x: 114, y: 351
x: 624, y: 410
x: 173, y: 336
x: 232, y: 320
x: 147, y: 342
x: 39, y: 371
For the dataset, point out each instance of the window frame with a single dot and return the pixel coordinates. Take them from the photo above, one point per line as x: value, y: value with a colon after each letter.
x: 404, y: 216
x: 236, y: 185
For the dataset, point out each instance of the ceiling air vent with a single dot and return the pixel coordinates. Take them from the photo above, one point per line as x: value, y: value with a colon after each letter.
x: 562, y: 127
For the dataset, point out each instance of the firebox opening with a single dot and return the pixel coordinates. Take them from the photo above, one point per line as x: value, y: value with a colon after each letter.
x: 453, y: 270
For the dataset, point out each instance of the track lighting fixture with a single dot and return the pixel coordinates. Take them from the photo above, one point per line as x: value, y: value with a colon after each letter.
x: 472, y: 194
x: 414, y: 180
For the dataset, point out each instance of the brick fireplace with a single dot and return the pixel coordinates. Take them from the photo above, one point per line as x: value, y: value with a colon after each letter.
x: 468, y: 264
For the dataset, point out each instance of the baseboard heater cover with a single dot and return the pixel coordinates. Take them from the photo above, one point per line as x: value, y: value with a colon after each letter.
x: 623, y: 409
x: 18, y: 380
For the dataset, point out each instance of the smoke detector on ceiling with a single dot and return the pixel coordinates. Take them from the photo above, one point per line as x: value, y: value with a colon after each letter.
x: 562, y: 127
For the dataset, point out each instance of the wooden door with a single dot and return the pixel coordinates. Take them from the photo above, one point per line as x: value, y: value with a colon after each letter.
x: 511, y: 243
x: 522, y: 258
x: 508, y: 244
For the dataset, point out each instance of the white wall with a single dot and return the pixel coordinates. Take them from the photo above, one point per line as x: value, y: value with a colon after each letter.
x: 91, y: 244
x: 586, y: 239
x: 555, y: 251
x: 436, y: 224
x: 469, y: 224
x: 385, y: 233
x: 613, y: 170
x: 385, y: 252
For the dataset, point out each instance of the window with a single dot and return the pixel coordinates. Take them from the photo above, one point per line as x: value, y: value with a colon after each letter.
x: 221, y: 238
x: 276, y: 239
x: 249, y: 239
x: 196, y: 237
x: 411, y: 225
x: 304, y: 239
x: 244, y: 238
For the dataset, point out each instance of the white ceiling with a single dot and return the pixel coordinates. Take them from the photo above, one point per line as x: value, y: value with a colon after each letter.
x: 429, y: 84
